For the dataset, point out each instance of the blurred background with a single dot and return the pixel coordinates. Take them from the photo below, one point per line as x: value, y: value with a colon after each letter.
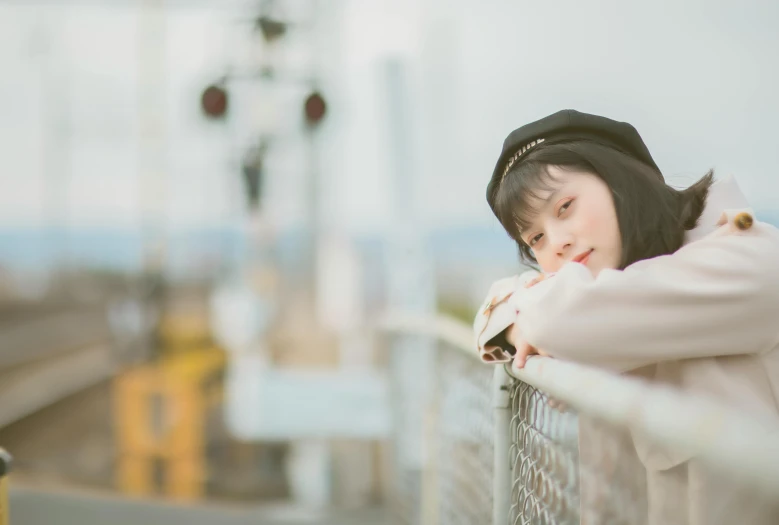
x: 207, y: 207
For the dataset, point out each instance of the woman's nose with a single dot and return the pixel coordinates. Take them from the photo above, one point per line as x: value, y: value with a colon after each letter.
x: 562, y: 242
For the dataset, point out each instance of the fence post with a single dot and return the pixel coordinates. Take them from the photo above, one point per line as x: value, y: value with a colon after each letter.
x: 5, y: 468
x: 501, y: 482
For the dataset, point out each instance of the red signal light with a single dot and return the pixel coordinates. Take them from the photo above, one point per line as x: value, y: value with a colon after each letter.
x: 315, y: 108
x: 214, y: 101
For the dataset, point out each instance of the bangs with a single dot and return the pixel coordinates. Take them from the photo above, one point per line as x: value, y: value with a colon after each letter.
x: 521, y: 195
x: 652, y: 216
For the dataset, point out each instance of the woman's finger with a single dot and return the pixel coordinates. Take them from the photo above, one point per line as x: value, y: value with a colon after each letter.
x: 524, y: 350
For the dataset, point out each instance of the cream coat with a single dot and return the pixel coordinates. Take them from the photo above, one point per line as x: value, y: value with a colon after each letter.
x: 704, y: 319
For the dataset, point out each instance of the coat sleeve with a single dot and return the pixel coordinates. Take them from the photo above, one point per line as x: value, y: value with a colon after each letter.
x: 714, y: 297
x: 496, y: 314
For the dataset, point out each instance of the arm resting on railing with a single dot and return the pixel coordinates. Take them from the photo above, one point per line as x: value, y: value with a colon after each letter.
x: 714, y: 297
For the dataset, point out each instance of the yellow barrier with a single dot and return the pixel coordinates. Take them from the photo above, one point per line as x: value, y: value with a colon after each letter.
x: 5, y: 468
x: 160, y: 412
x: 183, y: 332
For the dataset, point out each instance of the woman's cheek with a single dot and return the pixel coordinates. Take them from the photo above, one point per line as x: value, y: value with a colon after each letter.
x: 600, y: 226
x: 548, y: 264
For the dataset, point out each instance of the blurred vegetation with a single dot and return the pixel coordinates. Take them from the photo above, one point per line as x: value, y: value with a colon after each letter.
x: 460, y: 310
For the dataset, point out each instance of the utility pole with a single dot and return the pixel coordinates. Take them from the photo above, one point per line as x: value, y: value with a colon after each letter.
x: 152, y: 158
x: 152, y: 132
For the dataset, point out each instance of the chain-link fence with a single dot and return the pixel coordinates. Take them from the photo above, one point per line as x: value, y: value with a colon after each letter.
x: 443, y: 451
x: 562, y: 473
x: 410, y: 408
x: 482, y: 444
x: 463, y: 439
x: 543, y: 455
x: 654, y: 457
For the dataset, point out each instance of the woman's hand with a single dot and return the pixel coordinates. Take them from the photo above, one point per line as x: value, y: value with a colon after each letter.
x: 524, y: 349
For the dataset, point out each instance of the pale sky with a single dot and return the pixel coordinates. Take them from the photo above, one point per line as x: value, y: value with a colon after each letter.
x: 698, y: 79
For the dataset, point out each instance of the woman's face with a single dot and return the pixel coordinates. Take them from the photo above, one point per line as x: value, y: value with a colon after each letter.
x: 576, y: 222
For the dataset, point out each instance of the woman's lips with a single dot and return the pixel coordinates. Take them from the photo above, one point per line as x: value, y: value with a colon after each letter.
x: 582, y: 258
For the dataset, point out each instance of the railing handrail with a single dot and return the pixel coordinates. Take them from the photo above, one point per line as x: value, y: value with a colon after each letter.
x: 444, y: 327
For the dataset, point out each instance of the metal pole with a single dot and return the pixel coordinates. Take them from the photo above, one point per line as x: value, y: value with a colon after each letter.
x: 315, y: 183
x: 410, y: 281
x: 152, y: 137
x: 501, y: 481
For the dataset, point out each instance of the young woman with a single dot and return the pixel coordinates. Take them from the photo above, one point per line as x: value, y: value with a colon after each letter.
x: 679, y: 286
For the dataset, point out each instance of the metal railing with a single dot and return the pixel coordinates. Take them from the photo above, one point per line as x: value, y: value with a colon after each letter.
x: 559, y: 443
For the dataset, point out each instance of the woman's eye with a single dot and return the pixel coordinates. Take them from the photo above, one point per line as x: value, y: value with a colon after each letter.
x: 564, y: 207
x: 535, y: 239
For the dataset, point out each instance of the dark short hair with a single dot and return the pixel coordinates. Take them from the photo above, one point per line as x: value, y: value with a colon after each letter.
x: 652, y: 216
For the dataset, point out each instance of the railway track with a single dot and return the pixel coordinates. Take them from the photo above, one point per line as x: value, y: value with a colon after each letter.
x: 29, y: 388
x: 49, y: 352
x: 33, y: 337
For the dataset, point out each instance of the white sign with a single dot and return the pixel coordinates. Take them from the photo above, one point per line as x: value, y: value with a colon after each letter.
x: 266, y: 403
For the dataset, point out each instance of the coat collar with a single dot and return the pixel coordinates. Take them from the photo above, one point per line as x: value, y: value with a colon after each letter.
x: 724, y: 194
